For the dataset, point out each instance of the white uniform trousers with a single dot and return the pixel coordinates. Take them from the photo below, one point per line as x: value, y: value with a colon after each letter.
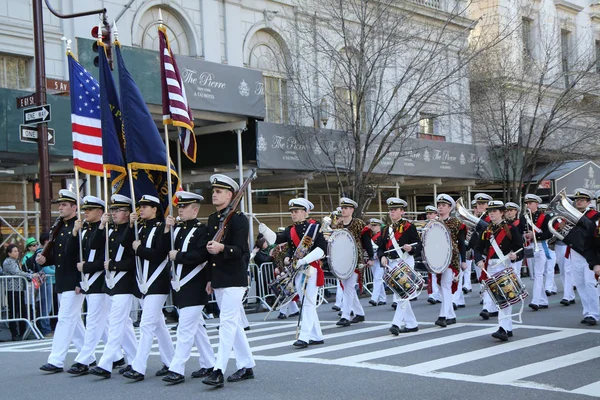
x: 446, y: 310
x: 458, y: 297
x: 153, y: 325
x: 289, y: 308
x: 466, y: 278
x: 69, y: 327
x: 351, y: 302
x: 120, y: 332
x: 310, y: 326
x: 96, y: 322
x: 549, y: 284
x: 436, y: 292
x: 538, y: 295
x: 566, y: 274
x: 516, y: 266
x: 504, y: 314
x: 404, y: 314
x: 231, y: 331
x: 191, y: 331
x: 585, y: 282
x: 378, y: 293
x: 339, y: 294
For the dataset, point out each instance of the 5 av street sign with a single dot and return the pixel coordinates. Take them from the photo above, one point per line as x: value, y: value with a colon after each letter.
x: 36, y: 115
x: 29, y: 134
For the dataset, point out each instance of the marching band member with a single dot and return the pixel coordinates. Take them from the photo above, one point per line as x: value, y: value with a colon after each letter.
x: 153, y: 282
x: 400, y: 237
x: 378, y: 297
x: 65, y: 257
x: 360, y: 233
x: 447, y: 280
x: 433, y: 288
x: 189, y: 281
x: 119, y: 283
x: 229, y: 278
x: 306, y: 285
x: 549, y: 284
x: 511, y: 213
x: 542, y: 234
x: 98, y: 302
x: 499, y: 243
x: 583, y: 264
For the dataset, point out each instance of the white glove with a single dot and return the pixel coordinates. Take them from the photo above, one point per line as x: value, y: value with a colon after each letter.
x: 301, y: 263
x: 309, y: 271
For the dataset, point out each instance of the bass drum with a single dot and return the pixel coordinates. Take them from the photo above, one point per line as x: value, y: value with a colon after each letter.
x: 342, y: 254
x: 437, y: 246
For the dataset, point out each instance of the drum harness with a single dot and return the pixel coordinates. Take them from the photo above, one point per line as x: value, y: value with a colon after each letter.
x: 403, y: 256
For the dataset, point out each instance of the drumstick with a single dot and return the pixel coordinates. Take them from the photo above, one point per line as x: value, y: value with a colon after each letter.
x: 410, y: 244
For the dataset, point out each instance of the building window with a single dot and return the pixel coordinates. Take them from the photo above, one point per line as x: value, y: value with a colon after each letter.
x: 565, y: 46
x: 427, y: 128
x: 147, y: 33
x: 267, y: 54
x: 13, y: 72
x: 526, y: 24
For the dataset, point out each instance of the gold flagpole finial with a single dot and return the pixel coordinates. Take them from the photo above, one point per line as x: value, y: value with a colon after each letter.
x: 160, y: 18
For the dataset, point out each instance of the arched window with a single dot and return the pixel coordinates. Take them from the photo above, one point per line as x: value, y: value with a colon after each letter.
x: 267, y: 54
x: 148, y: 31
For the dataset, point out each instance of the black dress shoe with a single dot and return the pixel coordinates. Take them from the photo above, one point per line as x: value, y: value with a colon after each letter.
x: 394, y: 305
x: 454, y: 306
x: 461, y: 306
x: 339, y: 314
x: 297, y: 313
x: 500, y: 334
x: 481, y: 302
x: 572, y: 301
x: 163, y: 371
x: 553, y: 293
x: 174, y: 378
x: 493, y: 314
x: 373, y: 303
x: 548, y: 293
x: 247, y: 328
x: 78, y: 369
x: 438, y: 302
x: 441, y: 321
x: 118, y: 363
x: 534, y: 307
x: 591, y: 321
x: 414, y: 299
x: 431, y: 300
x: 202, y: 372
x: 484, y: 314
x: 381, y: 303
x: 125, y: 369
x: 215, y: 379
x: 343, y: 322
x: 301, y: 344
x: 465, y: 290
x: 395, y: 330
x: 357, y: 319
x: 509, y: 333
x: 336, y: 308
x: 51, y: 368
x: 134, y: 375
x: 100, y: 372
x: 315, y: 342
x: 241, y: 375
x: 408, y: 330
x: 543, y: 306
x: 450, y: 321
x: 565, y: 302
x: 282, y: 316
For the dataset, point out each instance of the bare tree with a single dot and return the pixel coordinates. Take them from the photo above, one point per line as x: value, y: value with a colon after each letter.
x: 369, y: 70
x: 536, y: 106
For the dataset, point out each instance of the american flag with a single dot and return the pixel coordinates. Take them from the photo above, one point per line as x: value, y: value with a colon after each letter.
x: 85, y: 119
x: 176, y: 110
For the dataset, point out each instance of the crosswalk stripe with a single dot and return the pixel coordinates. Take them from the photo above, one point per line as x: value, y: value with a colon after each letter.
x: 524, y: 371
x: 593, y: 389
x: 443, y: 363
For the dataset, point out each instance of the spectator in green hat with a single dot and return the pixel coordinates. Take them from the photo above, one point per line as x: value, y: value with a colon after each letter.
x: 31, y: 246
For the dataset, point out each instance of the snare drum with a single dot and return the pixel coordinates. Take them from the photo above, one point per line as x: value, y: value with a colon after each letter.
x: 506, y: 288
x: 342, y: 254
x: 284, y: 289
x: 403, y: 280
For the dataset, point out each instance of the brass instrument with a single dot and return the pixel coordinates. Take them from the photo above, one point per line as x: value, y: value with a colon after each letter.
x: 529, y: 218
x: 566, y: 214
x: 467, y: 218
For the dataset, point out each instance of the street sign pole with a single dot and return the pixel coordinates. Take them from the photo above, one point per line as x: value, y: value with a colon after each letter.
x: 42, y: 129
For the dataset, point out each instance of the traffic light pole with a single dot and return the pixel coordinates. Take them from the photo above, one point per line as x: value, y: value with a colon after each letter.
x: 40, y: 90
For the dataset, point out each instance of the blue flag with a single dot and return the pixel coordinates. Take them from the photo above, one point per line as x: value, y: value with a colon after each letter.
x: 145, y: 149
x: 113, y: 139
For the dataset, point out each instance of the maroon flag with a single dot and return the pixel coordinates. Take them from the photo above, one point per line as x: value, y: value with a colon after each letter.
x: 176, y: 110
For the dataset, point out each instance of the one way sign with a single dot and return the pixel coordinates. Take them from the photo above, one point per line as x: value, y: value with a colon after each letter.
x: 36, y: 115
x: 28, y: 134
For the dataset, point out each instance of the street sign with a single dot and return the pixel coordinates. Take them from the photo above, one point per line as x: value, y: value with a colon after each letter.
x: 36, y: 115
x: 28, y: 134
x: 57, y: 84
x: 26, y: 101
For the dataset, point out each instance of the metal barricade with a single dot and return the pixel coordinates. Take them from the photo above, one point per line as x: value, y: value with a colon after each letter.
x: 47, y: 308
x: 18, y: 305
x: 266, y: 273
x: 253, y: 292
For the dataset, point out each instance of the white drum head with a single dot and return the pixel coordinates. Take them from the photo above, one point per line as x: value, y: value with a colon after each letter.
x: 342, y: 253
x: 437, y: 246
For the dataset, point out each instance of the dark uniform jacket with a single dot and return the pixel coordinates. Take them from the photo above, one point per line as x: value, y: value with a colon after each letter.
x: 405, y: 233
x: 542, y: 224
x: 476, y: 234
x: 65, y: 257
x: 97, y: 261
x: 154, y: 254
x: 229, y: 268
x: 193, y: 293
x: 120, y: 235
x: 507, y: 237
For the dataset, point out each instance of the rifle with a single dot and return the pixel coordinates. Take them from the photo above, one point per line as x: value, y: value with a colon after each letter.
x: 56, y: 227
x: 232, y: 207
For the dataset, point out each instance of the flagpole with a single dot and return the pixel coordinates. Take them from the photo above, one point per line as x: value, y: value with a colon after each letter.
x: 135, y: 223
x: 83, y: 278
x: 106, y: 200
x: 169, y: 183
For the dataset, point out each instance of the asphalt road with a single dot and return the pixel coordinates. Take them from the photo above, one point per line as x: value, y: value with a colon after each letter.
x: 551, y: 356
